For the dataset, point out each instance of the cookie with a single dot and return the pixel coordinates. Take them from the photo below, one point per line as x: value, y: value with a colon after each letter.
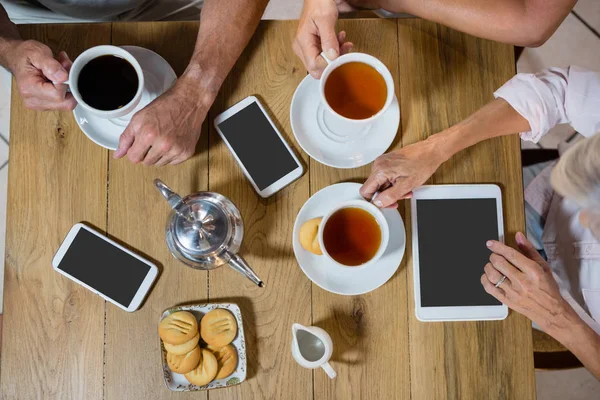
x: 309, y: 236
x: 206, y: 371
x: 184, y: 363
x: 185, y: 348
x: 178, y: 328
x: 227, y: 359
x: 218, y: 328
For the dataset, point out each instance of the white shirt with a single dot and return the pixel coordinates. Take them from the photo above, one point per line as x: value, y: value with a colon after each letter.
x: 551, y: 97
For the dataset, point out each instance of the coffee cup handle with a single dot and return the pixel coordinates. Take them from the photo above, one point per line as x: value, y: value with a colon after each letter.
x: 327, y: 60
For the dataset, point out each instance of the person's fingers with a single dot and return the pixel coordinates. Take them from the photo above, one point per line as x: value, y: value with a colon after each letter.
x: 396, y: 192
x: 311, y: 55
x: 341, y: 37
x: 374, y: 182
x: 157, y: 151
x: 491, y: 288
x: 50, y: 67
x: 329, y: 40
x: 346, y: 48
x: 504, y: 267
x: 528, y: 250
x: 164, y: 160
x: 513, y: 256
x: 64, y: 60
x: 125, y: 142
x: 494, y: 275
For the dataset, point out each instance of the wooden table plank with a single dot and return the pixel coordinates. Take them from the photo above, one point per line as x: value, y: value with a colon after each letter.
x: 268, y: 69
x: 53, y: 329
x: 369, y: 332
x: 137, y: 216
x: 446, y: 75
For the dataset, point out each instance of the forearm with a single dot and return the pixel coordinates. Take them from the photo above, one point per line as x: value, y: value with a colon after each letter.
x: 581, y: 340
x: 8, y: 34
x: 496, y: 118
x: 526, y: 23
x: 225, y: 30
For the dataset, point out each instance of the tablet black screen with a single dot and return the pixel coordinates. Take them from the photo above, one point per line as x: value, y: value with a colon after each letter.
x: 452, y: 251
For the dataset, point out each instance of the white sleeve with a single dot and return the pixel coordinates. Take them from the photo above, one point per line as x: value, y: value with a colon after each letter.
x: 555, y: 96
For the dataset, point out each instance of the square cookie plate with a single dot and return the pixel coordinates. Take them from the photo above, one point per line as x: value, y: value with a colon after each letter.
x: 177, y: 382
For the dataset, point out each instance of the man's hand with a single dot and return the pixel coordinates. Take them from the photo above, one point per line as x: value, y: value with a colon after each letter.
x: 529, y: 287
x: 39, y: 75
x: 396, y: 174
x: 166, y: 131
x: 316, y: 34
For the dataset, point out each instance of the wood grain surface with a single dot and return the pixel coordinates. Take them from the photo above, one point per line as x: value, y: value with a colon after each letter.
x: 62, y: 342
x: 53, y: 328
x: 369, y: 332
x: 269, y: 70
x: 137, y: 215
x: 444, y: 77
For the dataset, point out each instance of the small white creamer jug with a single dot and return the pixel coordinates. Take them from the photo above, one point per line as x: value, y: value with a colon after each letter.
x: 312, y: 348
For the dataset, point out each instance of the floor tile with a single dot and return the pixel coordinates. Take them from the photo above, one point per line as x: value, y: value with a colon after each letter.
x: 571, y: 44
x: 3, y: 197
x: 589, y: 11
x: 5, y: 84
x: 574, y: 384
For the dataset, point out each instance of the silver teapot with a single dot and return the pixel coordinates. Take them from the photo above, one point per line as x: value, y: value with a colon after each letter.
x: 205, y: 230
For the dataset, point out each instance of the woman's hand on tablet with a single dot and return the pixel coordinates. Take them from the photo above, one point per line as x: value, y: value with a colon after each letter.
x: 529, y: 287
x: 396, y: 174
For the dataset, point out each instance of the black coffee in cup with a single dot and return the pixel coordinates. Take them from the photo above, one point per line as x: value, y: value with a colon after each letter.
x: 108, y: 83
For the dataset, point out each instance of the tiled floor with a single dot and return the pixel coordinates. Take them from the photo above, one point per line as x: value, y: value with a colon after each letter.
x: 575, y: 42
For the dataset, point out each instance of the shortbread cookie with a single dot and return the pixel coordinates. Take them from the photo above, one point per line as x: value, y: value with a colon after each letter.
x: 309, y: 236
x: 184, y: 363
x: 185, y: 348
x: 206, y: 371
x: 218, y: 327
x: 227, y: 359
x: 178, y: 328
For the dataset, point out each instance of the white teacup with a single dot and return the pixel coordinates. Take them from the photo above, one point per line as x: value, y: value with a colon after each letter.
x: 95, y: 52
x: 349, y: 129
x: 371, y: 209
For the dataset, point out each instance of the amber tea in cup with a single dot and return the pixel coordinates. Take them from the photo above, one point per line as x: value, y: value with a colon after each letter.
x: 356, y: 90
x: 352, y: 236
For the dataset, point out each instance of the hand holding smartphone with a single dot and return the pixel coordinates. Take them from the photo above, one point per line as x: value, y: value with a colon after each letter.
x: 105, y: 267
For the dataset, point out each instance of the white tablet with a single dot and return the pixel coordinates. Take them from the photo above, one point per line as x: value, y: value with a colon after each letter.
x: 450, y: 225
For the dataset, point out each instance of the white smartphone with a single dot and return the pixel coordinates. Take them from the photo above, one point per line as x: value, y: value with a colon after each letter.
x: 258, y: 147
x: 105, y: 267
x: 450, y: 225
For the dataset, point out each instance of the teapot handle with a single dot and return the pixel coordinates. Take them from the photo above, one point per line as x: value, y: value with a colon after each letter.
x: 173, y: 198
x: 240, y: 265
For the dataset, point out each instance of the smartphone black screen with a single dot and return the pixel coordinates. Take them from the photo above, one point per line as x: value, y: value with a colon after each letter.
x: 258, y: 146
x: 452, y: 251
x: 104, y: 267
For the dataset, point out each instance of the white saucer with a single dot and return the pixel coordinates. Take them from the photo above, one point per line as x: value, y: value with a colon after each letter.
x: 158, y: 77
x: 351, y: 280
x: 306, y: 118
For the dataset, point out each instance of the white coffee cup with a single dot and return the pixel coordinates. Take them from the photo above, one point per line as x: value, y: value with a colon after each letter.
x: 352, y: 129
x: 371, y: 209
x: 95, y: 52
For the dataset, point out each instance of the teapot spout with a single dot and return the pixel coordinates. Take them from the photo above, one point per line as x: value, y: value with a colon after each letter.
x: 240, y: 265
x: 172, y: 198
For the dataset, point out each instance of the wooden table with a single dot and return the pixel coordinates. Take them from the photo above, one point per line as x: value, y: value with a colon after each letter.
x: 63, y: 342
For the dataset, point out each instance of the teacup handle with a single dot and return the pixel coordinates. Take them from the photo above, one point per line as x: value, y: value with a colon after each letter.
x: 328, y: 370
x: 327, y: 60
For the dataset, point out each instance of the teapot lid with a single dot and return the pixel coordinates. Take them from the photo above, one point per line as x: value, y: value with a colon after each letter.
x: 205, y: 229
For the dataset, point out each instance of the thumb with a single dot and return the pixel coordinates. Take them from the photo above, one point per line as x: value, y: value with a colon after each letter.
x: 329, y: 40
x: 528, y: 250
x: 51, y: 68
x: 391, y: 195
x: 125, y: 142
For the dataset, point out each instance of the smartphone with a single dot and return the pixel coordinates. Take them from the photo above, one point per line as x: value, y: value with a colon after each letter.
x: 258, y: 147
x: 105, y: 267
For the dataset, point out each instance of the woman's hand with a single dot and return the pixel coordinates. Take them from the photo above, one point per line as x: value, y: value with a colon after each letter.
x: 529, y: 287
x: 396, y: 174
